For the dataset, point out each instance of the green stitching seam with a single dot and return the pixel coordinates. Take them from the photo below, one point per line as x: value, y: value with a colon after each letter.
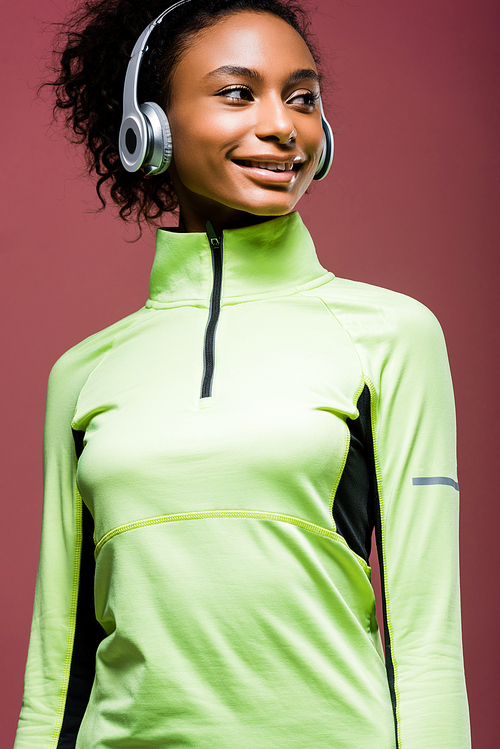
x: 259, y: 515
x: 339, y: 475
x: 346, y: 454
x: 72, y: 620
x: 373, y: 403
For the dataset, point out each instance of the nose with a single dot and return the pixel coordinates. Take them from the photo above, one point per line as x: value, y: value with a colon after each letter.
x: 275, y: 121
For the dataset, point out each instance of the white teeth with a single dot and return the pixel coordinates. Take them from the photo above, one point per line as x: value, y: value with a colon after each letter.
x: 273, y: 166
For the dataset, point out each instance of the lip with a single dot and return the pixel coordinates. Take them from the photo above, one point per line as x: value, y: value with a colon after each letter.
x: 271, y: 158
x: 251, y: 167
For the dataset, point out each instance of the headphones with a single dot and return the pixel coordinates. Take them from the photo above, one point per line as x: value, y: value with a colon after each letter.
x: 145, y: 139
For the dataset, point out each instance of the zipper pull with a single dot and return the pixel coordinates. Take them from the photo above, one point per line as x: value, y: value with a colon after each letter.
x: 212, y: 236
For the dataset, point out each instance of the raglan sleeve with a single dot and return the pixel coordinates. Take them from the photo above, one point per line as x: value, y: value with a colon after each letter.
x: 413, y: 421
x: 51, y: 661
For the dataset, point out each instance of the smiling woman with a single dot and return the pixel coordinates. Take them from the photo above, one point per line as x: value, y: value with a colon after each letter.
x: 216, y: 463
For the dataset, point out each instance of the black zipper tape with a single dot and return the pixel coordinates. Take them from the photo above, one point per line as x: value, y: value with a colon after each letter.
x: 213, y: 315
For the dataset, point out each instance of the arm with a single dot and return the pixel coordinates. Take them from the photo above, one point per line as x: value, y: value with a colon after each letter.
x: 64, y: 633
x: 413, y: 425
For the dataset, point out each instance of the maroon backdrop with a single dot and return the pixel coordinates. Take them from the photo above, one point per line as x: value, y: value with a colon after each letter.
x: 411, y: 204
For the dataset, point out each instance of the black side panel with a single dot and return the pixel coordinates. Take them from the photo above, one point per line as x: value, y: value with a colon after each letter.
x: 354, y: 504
x: 88, y: 633
x: 388, y: 650
x: 78, y: 438
x: 356, y: 511
x: 364, y: 407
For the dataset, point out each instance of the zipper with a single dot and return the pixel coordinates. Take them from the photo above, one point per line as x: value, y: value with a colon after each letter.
x: 213, y: 315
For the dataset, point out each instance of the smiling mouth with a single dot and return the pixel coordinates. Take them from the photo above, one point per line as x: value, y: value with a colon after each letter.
x: 272, y: 166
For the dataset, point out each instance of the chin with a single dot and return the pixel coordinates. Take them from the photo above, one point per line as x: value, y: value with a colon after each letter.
x: 268, y: 207
x: 266, y: 210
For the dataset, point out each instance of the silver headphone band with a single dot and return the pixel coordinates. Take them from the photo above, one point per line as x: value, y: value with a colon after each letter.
x: 134, y: 141
x: 130, y: 102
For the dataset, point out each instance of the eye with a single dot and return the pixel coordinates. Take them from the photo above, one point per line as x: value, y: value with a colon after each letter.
x: 236, y: 93
x: 304, y: 99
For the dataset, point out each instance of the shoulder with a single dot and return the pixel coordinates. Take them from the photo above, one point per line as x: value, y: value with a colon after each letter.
x: 71, y: 370
x: 393, y: 334
x: 367, y: 310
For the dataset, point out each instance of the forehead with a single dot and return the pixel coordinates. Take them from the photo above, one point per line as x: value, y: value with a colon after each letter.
x: 248, y: 39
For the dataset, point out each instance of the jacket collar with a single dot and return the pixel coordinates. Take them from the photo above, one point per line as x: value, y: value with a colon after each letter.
x: 275, y: 256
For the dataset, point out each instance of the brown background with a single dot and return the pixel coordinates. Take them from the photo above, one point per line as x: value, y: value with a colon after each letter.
x: 411, y: 204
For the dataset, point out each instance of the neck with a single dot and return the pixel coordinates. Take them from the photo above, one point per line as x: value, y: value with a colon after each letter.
x: 196, y: 221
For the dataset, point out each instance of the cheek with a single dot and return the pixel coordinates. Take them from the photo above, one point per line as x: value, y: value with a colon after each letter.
x: 314, y: 138
x: 205, y: 141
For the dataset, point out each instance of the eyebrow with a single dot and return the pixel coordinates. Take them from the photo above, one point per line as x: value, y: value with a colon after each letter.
x: 295, y: 77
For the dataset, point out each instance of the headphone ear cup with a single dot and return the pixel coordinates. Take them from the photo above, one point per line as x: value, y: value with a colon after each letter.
x: 326, y: 158
x: 159, y: 140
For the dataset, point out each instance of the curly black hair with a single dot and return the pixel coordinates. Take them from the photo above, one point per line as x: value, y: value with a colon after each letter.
x: 90, y: 58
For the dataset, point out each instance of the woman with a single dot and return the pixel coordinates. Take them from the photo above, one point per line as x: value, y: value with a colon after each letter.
x: 233, y: 444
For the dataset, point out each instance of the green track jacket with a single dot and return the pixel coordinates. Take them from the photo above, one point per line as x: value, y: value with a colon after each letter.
x: 223, y: 454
